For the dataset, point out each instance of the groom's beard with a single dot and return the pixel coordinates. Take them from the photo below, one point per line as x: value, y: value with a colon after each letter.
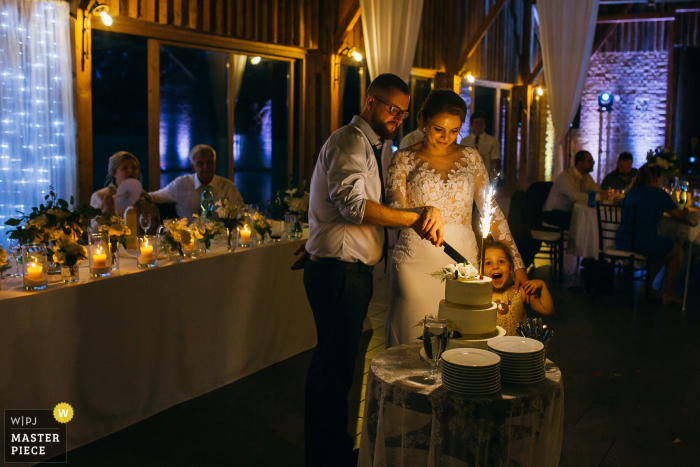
x: 381, y: 129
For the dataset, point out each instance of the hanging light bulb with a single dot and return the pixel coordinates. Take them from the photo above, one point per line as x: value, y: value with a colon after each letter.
x: 357, y: 56
x: 255, y: 60
x: 470, y: 78
x: 540, y: 91
x: 106, y: 19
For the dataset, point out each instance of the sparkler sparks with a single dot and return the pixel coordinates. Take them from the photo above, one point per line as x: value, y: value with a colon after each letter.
x: 487, y: 211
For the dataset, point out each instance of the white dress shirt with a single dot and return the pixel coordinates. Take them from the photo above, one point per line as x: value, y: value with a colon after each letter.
x: 570, y: 186
x: 488, y: 147
x: 345, y: 177
x: 186, y: 191
x: 412, y: 138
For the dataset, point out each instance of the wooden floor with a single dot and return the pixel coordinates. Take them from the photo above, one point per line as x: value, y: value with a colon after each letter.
x: 631, y: 373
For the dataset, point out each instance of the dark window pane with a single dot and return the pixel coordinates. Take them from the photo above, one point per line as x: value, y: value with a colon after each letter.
x: 119, y: 101
x: 193, y: 108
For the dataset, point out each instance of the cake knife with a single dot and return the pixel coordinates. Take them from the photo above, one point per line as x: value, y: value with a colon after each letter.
x: 454, y: 254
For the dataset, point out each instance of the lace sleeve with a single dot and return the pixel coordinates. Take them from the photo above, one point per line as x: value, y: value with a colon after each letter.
x: 399, y: 167
x: 499, y: 226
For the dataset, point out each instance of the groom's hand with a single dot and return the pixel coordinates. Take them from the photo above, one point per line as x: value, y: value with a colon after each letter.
x: 301, y: 260
x: 430, y: 225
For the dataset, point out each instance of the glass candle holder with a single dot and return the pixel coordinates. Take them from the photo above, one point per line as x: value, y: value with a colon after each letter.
x: 191, y: 249
x: 148, y: 251
x: 35, y: 266
x: 246, y: 236
x: 100, y: 255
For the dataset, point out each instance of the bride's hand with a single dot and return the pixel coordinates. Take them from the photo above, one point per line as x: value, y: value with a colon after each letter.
x: 431, y: 226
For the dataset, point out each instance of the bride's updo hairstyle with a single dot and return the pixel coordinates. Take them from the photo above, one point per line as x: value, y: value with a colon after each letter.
x: 442, y: 101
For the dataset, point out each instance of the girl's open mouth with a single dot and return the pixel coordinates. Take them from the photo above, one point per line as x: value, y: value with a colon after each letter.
x: 497, y: 278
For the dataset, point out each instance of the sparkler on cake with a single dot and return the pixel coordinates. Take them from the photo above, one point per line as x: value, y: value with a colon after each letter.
x: 488, y: 209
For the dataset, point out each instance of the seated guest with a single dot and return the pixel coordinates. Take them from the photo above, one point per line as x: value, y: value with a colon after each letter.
x: 652, y: 202
x: 186, y: 190
x: 122, y: 166
x: 620, y: 178
x: 572, y: 185
x: 487, y: 145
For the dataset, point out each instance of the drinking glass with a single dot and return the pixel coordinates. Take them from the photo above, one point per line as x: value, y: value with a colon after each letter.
x: 16, y: 252
x: 435, y: 339
x: 145, y: 222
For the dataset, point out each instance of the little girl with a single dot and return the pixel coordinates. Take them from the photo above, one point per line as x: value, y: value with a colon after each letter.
x: 498, y: 265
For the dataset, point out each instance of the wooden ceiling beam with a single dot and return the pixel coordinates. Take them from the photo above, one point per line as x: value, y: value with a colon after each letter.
x: 607, y: 32
x: 535, y: 73
x: 347, y: 24
x: 474, y: 41
x: 635, y: 18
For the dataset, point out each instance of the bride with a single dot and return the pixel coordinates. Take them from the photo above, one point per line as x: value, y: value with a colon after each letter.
x: 436, y: 172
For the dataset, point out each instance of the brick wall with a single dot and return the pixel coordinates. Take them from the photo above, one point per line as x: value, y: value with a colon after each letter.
x: 638, y: 80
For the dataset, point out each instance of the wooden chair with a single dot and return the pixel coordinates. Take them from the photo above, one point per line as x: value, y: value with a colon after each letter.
x: 617, y: 224
x: 551, y: 236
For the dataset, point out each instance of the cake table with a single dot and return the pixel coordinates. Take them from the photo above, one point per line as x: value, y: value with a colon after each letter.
x: 409, y: 423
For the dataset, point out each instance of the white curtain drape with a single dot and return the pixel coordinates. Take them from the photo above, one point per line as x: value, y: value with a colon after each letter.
x: 37, y: 125
x: 566, y: 35
x: 390, y: 29
x: 239, y: 63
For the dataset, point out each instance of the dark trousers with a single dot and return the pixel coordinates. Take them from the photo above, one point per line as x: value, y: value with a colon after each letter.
x: 561, y: 219
x: 339, y: 298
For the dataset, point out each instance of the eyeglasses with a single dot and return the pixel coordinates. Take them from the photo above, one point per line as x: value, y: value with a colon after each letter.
x: 393, y: 110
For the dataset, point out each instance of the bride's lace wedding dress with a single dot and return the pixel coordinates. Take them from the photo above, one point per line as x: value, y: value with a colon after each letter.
x: 450, y: 183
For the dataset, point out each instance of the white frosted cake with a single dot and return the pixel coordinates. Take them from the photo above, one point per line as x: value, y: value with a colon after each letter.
x: 469, y: 309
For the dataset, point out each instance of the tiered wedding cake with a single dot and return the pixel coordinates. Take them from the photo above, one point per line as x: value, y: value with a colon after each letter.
x: 470, y: 311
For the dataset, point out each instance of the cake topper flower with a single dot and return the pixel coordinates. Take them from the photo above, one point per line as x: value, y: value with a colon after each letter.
x: 459, y: 271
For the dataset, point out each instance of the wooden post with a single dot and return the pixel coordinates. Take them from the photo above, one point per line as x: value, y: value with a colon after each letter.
x: 83, y: 107
x: 673, y: 39
x: 519, y: 113
x: 153, y: 64
x: 231, y: 111
x: 335, y: 91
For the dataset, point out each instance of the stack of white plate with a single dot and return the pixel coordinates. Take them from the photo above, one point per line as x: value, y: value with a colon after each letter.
x: 522, y: 359
x: 471, y: 371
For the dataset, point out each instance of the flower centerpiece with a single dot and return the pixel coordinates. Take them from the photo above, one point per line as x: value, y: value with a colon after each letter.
x: 261, y: 225
x: 118, y: 232
x: 459, y: 271
x: 229, y: 216
x: 666, y: 160
x: 293, y: 204
x: 54, y: 220
x: 176, y: 235
x: 205, y: 230
x: 68, y: 254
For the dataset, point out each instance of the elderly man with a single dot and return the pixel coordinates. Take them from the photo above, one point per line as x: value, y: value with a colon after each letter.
x: 572, y: 185
x: 622, y: 176
x: 487, y: 145
x: 186, y: 190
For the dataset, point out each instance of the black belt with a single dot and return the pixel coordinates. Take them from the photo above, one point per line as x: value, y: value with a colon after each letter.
x: 361, y: 267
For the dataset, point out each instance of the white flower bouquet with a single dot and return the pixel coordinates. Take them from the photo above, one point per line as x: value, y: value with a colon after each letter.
x: 459, y: 271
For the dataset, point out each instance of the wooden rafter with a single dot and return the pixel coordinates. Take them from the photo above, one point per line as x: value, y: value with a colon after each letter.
x: 536, y: 72
x: 346, y: 25
x: 607, y: 32
x: 635, y: 18
x: 474, y: 41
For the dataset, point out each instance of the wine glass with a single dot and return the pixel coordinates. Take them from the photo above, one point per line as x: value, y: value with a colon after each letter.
x: 16, y: 252
x: 145, y: 222
x: 435, y: 338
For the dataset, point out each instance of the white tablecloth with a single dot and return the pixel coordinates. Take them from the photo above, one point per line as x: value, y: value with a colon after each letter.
x: 583, y: 234
x: 123, y: 348
x: 407, y: 423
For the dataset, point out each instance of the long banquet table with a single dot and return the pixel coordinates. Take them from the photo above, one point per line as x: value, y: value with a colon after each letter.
x: 123, y: 348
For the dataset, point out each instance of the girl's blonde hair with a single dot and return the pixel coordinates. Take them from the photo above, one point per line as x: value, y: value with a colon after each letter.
x: 116, y: 160
x: 491, y: 243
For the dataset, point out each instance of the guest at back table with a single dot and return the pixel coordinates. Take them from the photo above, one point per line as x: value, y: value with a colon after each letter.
x: 489, y: 148
x: 186, y: 190
x: 620, y: 178
x: 652, y: 202
x: 122, y: 166
x: 571, y: 186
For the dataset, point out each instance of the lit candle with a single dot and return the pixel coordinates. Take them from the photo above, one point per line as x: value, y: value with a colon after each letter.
x: 146, y: 251
x: 245, y: 234
x: 99, y: 259
x: 34, y: 272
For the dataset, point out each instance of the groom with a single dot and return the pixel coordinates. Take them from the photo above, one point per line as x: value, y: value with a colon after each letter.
x: 347, y: 238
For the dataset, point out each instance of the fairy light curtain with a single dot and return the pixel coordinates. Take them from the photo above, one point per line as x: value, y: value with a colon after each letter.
x: 37, y: 125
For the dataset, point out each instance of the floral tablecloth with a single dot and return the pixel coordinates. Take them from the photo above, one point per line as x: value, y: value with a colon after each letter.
x: 408, y: 423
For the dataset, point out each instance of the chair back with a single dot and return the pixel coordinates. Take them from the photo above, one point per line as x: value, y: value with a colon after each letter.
x: 536, y: 195
x: 617, y: 224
